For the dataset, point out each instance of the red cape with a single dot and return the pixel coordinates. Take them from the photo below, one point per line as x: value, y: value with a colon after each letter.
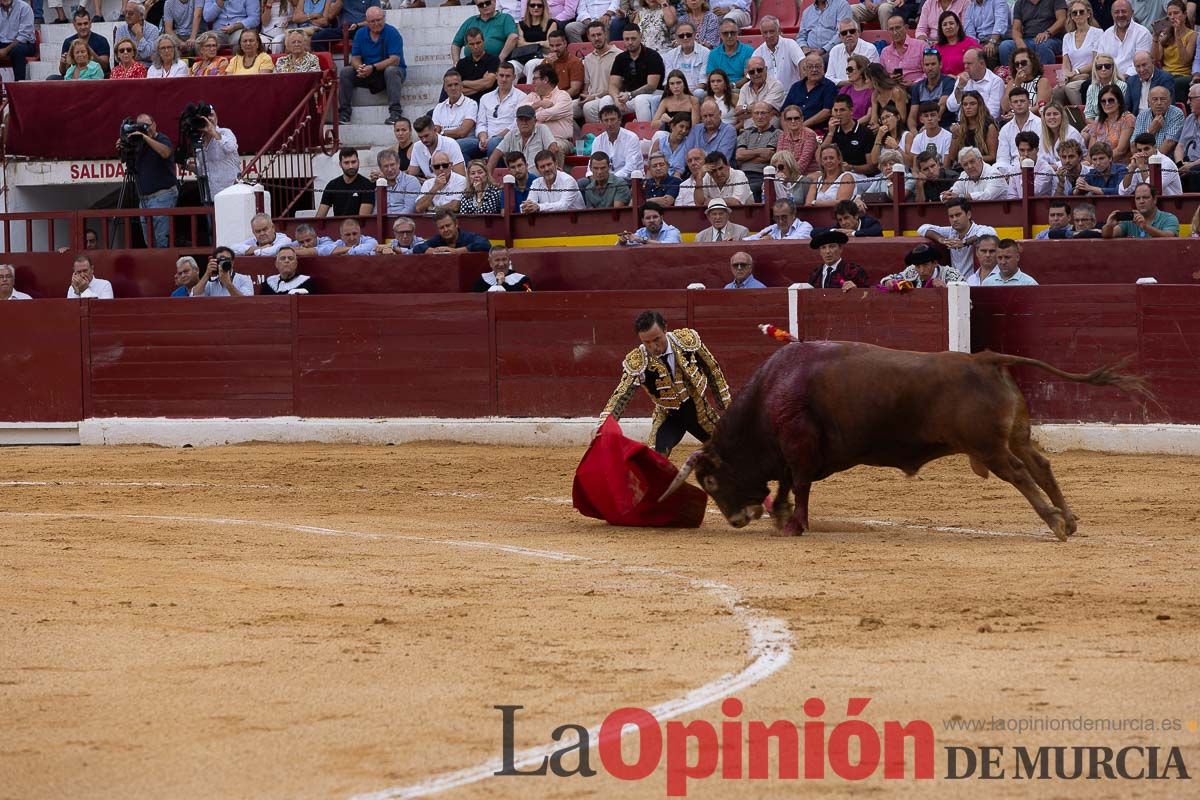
x: 620, y: 480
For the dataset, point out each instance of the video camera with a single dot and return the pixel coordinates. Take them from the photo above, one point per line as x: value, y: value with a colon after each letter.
x: 193, y: 122
x: 130, y: 126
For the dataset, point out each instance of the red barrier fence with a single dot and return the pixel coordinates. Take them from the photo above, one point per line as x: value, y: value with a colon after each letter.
x: 545, y: 354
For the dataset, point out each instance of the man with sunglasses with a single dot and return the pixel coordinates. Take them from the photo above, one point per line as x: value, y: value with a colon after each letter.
x: 499, y: 31
x: 741, y: 265
x: 143, y: 34
x: 1124, y: 39
x: 732, y: 55
x: 690, y: 58
x: 987, y: 22
x: 444, y: 190
x: 902, y: 57
x: 851, y: 45
x: 760, y: 88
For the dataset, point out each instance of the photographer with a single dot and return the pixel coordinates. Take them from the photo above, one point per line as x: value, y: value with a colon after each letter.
x: 219, y: 280
x: 153, y: 169
x: 220, y: 148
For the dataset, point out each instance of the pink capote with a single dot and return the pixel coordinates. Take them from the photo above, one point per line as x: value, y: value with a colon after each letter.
x: 620, y: 480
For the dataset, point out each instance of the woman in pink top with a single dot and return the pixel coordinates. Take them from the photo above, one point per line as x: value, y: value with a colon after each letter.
x: 858, y: 88
x: 952, y: 44
x: 929, y: 22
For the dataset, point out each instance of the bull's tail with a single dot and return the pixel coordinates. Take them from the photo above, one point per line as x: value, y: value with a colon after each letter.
x: 1110, y: 375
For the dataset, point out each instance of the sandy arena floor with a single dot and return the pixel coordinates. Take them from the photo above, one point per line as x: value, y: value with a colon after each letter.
x: 324, y: 622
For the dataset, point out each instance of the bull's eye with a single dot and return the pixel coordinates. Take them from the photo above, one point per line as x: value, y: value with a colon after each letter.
x: 710, y: 483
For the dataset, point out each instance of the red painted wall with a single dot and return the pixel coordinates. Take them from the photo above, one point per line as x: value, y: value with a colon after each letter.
x: 41, y: 360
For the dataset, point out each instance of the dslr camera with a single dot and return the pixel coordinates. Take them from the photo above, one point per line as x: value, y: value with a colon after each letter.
x: 224, y: 263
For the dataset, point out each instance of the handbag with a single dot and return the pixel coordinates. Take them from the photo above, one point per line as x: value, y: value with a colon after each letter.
x: 525, y: 52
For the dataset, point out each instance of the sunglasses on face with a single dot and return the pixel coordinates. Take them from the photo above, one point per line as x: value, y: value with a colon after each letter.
x: 441, y: 166
x: 124, y: 49
x: 740, y: 265
x: 1079, y: 12
x: 1104, y: 66
x: 792, y: 119
x: 755, y: 71
x: 683, y: 36
x: 1020, y: 64
x: 536, y: 5
x: 851, y: 69
x: 729, y: 33
x: 847, y: 33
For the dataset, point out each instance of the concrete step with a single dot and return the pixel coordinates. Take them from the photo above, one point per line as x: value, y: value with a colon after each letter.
x: 41, y: 70
x: 376, y: 136
x: 369, y: 115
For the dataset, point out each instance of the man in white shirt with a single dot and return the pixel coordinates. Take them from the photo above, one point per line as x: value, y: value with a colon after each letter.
x: 429, y: 141
x: 443, y: 190
x: 8, y: 276
x: 987, y: 252
x: 1022, y: 121
x: 1139, y: 168
x: 219, y: 279
x: 979, y: 179
x: 222, y: 164
x: 721, y: 180
x: 623, y: 146
x: 265, y: 241
x: 786, y: 225
x: 850, y: 45
x: 555, y: 190
x: 498, y: 110
x: 456, y: 115
x: 959, y: 236
x: 690, y: 58
x: 782, y: 56
x: 590, y: 11
x: 84, y: 282
x: 1044, y: 175
x: 354, y: 242
x: 976, y: 76
x: 760, y: 87
x: 688, y: 196
x: 1124, y: 39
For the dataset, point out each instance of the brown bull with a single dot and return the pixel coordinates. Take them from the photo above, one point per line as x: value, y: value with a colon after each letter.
x: 816, y: 408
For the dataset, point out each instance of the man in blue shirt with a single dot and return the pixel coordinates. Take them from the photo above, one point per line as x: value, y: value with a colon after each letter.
x: 376, y: 63
x: 660, y: 186
x: 813, y: 93
x: 819, y: 26
x: 732, y: 55
x: 82, y: 20
x: 1105, y: 175
x: 712, y: 135
x: 451, y: 238
x: 16, y: 34
x: 935, y: 88
x: 987, y: 22
x: 742, y: 267
x: 654, y: 230
x: 518, y: 167
x: 227, y: 18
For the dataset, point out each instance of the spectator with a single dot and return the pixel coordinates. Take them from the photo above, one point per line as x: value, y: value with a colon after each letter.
x: 126, y: 68
x: 703, y: 22
x: 656, y: 18
x: 1058, y: 220
x: 850, y: 45
x: 1162, y: 120
x: 931, y: 179
x: 1083, y: 222
x: 597, y: 71
x: 444, y: 190
x: 934, y: 87
x: 988, y: 22
x: 221, y: 161
x: 1124, y: 39
x: 482, y: 195
x: 1056, y: 128
x: 351, y: 194
x: 712, y: 135
x: 987, y: 254
x: 187, y: 275
x: 82, y: 20
x: 17, y: 42
x: 854, y: 221
x: 952, y: 44
x: 353, y: 242
x: 979, y: 180
x: 853, y: 140
x: 858, y: 87
x: 318, y: 19
x: 499, y: 31
x: 1008, y: 271
x: 8, y: 276
x: 931, y: 14
x: 1029, y: 149
x: 814, y: 93
x: 741, y: 264
x: 477, y: 69
x: 1139, y: 168
x: 143, y: 34
x: 1105, y: 175
x: 568, y: 68
x: 82, y: 67
x: 835, y: 272
x: 732, y: 55
x: 960, y: 235
x: 182, y: 20
x: 735, y: 11
x: 430, y: 142
x: 923, y: 269
x: 677, y: 99
x: 932, y: 138
x: 819, y: 26
x: 1039, y: 26
x: 402, y: 189
x: 602, y: 190
x: 308, y: 243
x: 376, y: 64
x: 451, y: 238
x: 1174, y: 48
x: 220, y: 279
x: 1079, y: 50
x: 622, y: 145
x: 759, y: 88
x: 660, y: 186
x: 84, y: 282
x: 635, y: 83
x: 977, y: 77
x: 528, y: 138
x: 788, y: 180
x: 249, y: 56
x: 589, y: 13
x: 226, y: 19
x: 265, y: 240
x: 500, y: 276
x: 782, y: 56
x: 1149, y: 12
x: 288, y: 279
x: 533, y: 39
x: 552, y: 107
x: 786, y: 225
x: 833, y: 181
x: 154, y: 166
x: 1025, y: 71
x: 891, y: 135
x: 903, y: 56
x: 719, y: 90
x: 518, y: 167
x: 1070, y: 167
x: 756, y: 145
x: 1103, y: 74
x: 554, y: 190
x: 455, y: 116
x: 167, y: 63
x: 208, y: 62
x: 405, y: 231
x: 402, y: 129
x: 673, y: 145
x: 654, y: 230
x: 721, y: 180
x: 1145, y: 78
x: 797, y: 139
x: 1022, y: 120
x: 1187, y: 152
x: 720, y: 229
x: 688, y: 195
x: 1148, y: 221
x: 498, y: 111
x: 880, y: 188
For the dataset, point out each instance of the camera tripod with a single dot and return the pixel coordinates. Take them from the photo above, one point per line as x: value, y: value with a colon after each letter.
x: 128, y: 189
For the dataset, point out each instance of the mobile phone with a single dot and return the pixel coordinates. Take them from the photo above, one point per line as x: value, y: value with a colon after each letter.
x: 1123, y: 216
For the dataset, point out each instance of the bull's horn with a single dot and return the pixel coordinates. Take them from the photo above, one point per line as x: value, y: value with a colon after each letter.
x: 682, y: 476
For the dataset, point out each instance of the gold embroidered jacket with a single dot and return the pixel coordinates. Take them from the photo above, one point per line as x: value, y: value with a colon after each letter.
x: 695, y: 368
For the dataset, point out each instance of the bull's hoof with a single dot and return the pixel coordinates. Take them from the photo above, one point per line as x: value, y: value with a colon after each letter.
x: 791, y: 528
x: 781, y: 514
x: 1072, y: 524
x: 1058, y: 525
